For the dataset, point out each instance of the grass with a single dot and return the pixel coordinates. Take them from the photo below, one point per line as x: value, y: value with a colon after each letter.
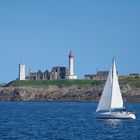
x: 133, y: 81
x: 62, y: 83
x: 59, y: 83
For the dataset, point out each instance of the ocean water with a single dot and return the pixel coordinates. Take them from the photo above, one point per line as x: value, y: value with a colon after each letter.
x: 62, y: 121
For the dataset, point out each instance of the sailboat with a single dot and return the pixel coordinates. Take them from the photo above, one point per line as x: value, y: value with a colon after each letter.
x: 111, y: 104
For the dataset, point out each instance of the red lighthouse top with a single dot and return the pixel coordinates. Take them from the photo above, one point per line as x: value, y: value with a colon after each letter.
x: 70, y: 55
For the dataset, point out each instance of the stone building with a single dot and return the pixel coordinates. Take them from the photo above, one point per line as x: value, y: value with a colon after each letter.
x: 58, y: 73
x: 134, y: 75
x: 100, y: 75
x: 38, y: 75
x: 90, y: 77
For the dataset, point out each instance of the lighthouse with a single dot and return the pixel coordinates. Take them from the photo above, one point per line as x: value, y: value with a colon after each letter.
x: 21, y: 71
x: 70, y: 72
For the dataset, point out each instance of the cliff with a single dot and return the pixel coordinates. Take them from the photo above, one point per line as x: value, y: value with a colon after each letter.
x: 87, y: 92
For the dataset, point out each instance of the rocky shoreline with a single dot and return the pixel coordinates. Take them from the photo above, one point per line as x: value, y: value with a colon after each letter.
x: 73, y: 93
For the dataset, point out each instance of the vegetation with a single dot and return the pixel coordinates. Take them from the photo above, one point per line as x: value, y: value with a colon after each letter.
x: 59, y: 83
x: 62, y: 83
x: 133, y: 81
x: 2, y: 84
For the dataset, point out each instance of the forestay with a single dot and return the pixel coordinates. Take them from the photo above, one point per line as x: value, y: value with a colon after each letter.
x: 111, y: 97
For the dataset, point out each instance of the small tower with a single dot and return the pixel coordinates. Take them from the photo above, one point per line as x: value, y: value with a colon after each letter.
x: 21, y: 71
x: 70, y: 73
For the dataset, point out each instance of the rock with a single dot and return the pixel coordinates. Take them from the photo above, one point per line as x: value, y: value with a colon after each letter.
x: 66, y: 93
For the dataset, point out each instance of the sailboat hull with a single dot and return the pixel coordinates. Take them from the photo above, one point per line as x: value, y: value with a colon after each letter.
x: 111, y: 99
x: 116, y: 115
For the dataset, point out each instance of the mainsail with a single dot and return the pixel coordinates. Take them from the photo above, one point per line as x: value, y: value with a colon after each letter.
x: 111, y: 97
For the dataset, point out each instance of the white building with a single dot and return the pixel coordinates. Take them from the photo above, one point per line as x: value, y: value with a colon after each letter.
x: 21, y: 71
x: 70, y: 72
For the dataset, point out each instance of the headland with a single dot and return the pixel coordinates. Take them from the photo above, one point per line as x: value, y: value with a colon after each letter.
x: 66, y: 90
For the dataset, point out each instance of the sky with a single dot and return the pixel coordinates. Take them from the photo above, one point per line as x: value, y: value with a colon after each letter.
x: 41, y: 33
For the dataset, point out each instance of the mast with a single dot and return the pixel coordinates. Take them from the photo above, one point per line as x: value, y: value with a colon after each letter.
x: 111, y: 96
x: 113, y: 62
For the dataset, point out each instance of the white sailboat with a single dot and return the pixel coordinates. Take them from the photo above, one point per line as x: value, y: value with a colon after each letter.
x: 111, y: 103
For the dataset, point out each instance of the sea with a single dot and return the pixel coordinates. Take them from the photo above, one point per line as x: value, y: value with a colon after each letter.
x: 63, y: 121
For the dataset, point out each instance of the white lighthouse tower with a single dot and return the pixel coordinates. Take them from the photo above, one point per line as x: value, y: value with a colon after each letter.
x: 21, y: 71
x: 70, y: 73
